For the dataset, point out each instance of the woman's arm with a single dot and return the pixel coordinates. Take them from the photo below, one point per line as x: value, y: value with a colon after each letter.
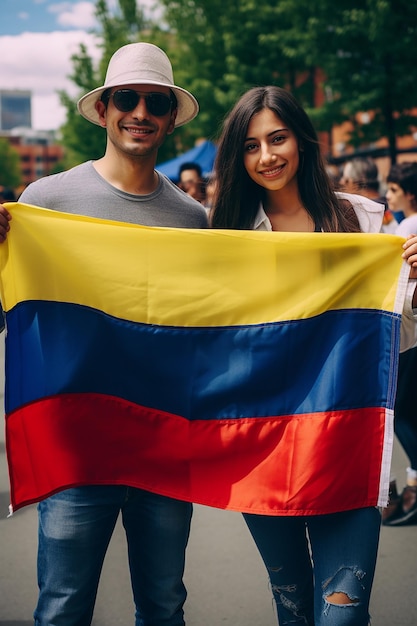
x: 5, y: 218
x: 410, y: 255
x: 409, y: 316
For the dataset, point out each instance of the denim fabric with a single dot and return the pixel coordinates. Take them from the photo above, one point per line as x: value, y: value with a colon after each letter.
x: 343, y: 548
x: 405, y: 411
x: 75, y: 527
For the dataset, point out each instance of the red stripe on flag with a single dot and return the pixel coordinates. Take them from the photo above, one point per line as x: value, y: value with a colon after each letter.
x: 287, y: 465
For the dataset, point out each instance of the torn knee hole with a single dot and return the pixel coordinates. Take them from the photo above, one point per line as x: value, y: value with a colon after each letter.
x: 345, y: 588
x: 338, y: 597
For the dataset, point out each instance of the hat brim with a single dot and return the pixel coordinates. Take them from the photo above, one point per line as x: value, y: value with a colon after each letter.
x: 187, y: 104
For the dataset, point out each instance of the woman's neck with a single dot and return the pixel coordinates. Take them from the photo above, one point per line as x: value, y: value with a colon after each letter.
x: 286, y: 212
x: 411, y: 209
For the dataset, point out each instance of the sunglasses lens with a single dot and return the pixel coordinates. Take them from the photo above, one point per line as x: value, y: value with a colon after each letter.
x: 158, y: 104
x: 127, y: 99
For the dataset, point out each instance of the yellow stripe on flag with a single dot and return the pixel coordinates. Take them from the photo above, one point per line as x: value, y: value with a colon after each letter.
x: 183, y: 277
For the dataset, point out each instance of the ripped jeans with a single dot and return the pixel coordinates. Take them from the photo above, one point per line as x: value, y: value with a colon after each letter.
x: 321, y: 568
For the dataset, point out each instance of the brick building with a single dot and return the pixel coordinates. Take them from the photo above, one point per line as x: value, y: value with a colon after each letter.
x: 38, y: 151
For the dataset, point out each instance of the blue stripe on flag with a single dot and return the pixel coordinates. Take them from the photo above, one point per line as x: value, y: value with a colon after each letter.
x: 303, y: 366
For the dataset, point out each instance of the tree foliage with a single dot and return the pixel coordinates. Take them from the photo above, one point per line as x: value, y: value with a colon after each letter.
x: 367, y: 56
x: 10, y: 175
x: 82, y: 139
x: 364, y: 49
x: 358, y: 53
x: 228, y: 47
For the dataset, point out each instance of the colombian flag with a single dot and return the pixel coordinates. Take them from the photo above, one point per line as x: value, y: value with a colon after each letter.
x: 253, y: 371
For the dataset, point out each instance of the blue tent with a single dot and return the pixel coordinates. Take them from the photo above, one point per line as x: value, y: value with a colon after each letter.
x: 203, y: 154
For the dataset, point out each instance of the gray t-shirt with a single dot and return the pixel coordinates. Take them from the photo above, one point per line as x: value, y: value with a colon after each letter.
x: 82, y: 191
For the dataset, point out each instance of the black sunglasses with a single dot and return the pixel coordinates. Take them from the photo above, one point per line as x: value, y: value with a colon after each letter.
x: 126, y: 100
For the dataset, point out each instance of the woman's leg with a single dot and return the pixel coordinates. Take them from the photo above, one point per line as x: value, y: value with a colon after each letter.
x: 283, y: 546
x: 344, y: 550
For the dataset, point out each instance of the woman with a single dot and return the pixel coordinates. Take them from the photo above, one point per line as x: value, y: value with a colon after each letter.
x: 271, y: 176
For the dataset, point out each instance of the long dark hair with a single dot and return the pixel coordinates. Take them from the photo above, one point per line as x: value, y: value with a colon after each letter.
x: 237, y: 196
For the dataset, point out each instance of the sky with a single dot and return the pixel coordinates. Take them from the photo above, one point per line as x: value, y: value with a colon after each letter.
x: 37, y: 39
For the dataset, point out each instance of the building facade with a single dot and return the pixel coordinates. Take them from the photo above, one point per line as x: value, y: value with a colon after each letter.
x: 15, y: 109
x: 38, y: 151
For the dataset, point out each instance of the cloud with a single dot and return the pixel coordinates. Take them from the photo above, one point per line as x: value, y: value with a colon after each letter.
x: 79, y: 15
x: 41, y: 63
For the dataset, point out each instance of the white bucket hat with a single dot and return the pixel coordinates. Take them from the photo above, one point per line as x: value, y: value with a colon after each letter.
x: 140, y: 64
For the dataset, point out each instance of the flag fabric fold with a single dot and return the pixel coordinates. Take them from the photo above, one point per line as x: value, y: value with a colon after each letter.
x: 251, y: 371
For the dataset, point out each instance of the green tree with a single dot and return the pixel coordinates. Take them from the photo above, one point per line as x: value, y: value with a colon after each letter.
x: 364, y: 49
x: 218, y: 50
x: 83, y: 140
x: 10, y: 174
x: 124, y: 24
x: 227, y: 47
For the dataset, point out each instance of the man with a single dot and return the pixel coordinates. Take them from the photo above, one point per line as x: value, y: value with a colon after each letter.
x: 138, y: 105
x: 191, y: 180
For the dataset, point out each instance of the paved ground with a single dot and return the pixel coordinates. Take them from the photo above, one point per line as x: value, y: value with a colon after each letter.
x: 225, y: 578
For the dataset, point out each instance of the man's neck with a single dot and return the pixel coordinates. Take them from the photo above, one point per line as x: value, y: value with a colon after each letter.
x: 133, y: 175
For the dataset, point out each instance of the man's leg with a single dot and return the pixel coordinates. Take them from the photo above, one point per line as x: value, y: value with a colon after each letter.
x: 157, y: 530
x: 75, y: 527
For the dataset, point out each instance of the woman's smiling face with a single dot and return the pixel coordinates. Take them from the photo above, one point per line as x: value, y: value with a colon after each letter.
x: 271, y: 154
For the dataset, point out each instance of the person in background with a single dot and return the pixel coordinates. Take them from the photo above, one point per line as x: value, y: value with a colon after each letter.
x: 271, y: 176
x: 334, y: 174
x: 7, y: 194
x: 401, y: 194
x: 402, y: 509
x: 138, y: 106
x: 360, y: 175
x: 190, y: 180
x: 210, y: 190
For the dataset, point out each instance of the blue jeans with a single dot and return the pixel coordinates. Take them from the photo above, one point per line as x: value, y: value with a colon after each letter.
x: 405, y: 411
x: 75, y: 527
x: 343, y: 550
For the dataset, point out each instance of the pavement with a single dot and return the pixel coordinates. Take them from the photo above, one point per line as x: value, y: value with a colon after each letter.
x: 226, y: 581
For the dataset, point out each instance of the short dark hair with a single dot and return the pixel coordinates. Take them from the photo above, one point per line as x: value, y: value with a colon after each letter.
x: 190, y: 165
x: 105, y: 96
x: 7, y: 194
x: 405, y: 176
